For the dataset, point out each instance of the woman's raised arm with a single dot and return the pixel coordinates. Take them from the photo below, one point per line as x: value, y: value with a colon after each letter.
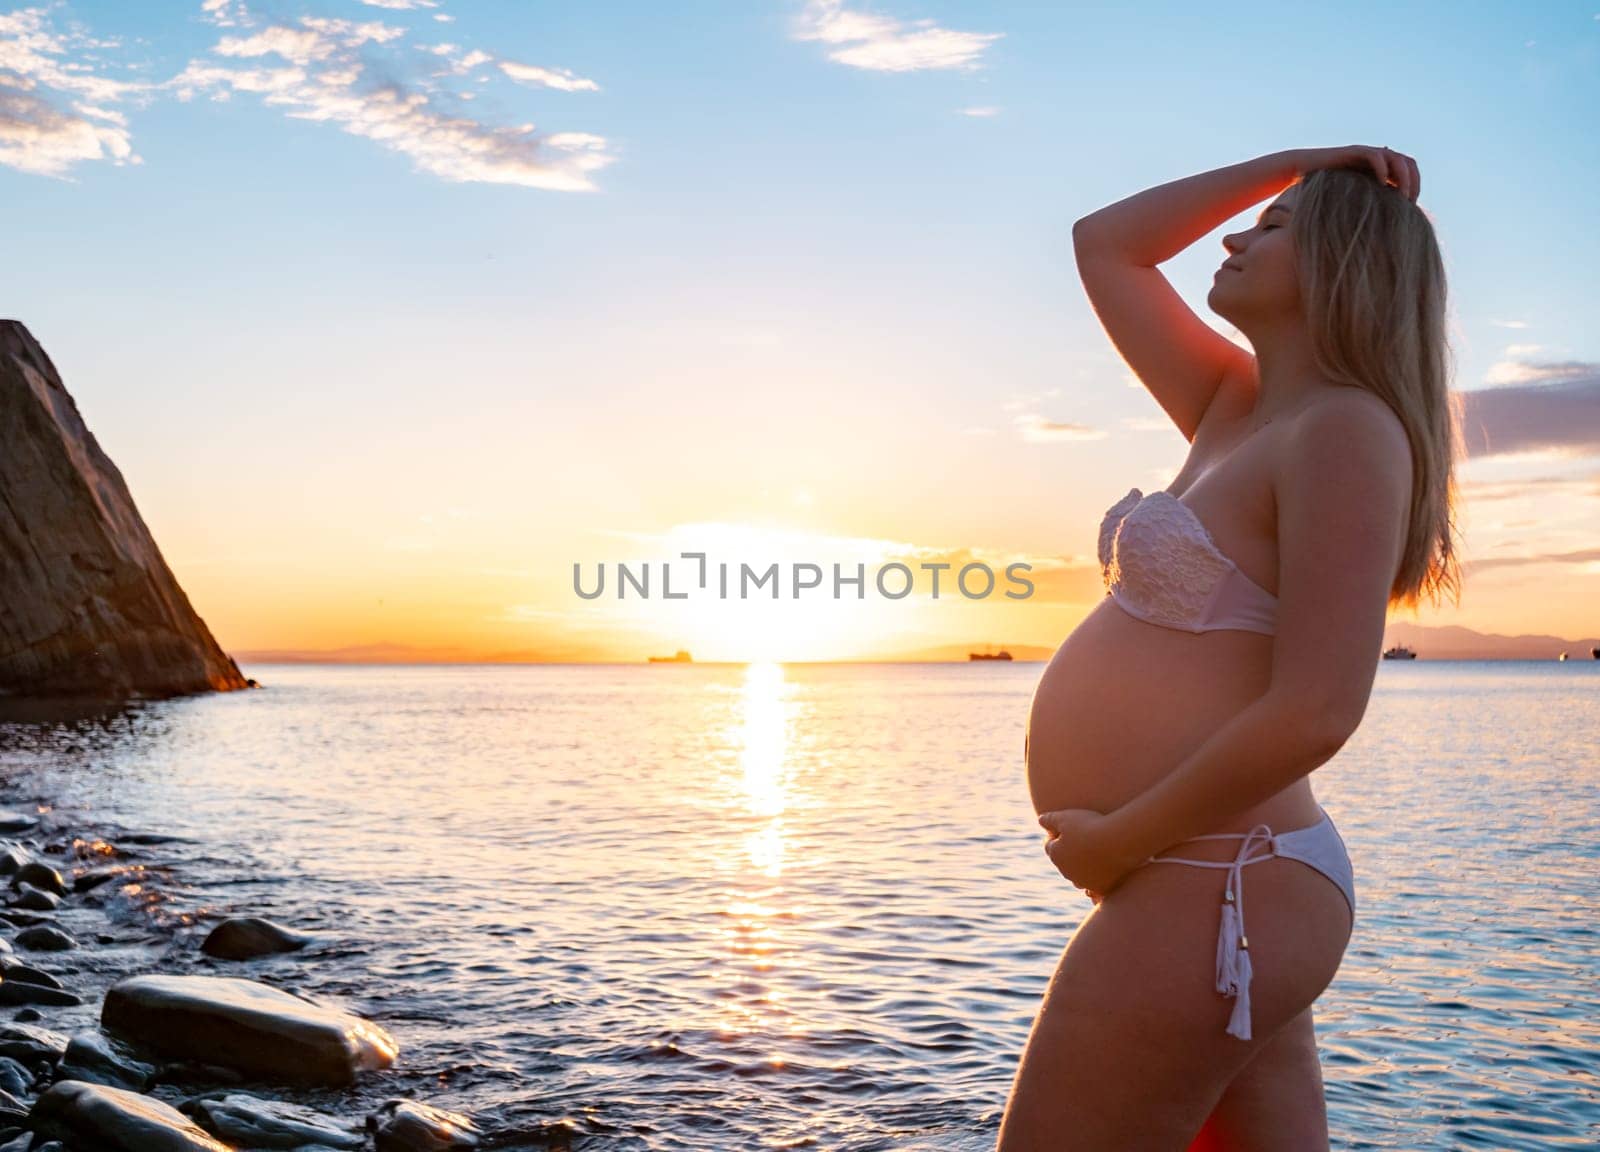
x: 1181, y: 359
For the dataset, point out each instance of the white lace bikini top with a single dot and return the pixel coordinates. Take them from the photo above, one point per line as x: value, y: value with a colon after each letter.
x: 1160, y: 565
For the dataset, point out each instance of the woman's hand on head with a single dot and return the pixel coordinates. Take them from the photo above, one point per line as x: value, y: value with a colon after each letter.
x: 1389, y: 166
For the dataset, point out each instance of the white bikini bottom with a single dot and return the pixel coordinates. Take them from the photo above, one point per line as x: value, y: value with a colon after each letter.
x: 1318, y: 845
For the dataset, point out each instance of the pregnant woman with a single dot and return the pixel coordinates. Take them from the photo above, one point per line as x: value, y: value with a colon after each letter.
x: 1173, y: 734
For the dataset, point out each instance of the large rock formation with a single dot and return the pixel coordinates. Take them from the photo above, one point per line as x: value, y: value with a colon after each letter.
x: 87, y: 604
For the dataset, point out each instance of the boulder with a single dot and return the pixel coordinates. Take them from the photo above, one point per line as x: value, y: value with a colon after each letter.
x: 100, y: 1059
x: 44, y: 938
x: 25, y: 1042
x: 88, y: 607
x: 253, y: 1122
x: 14, y: 1078
x: 14, y: 992
x: 245, y: 1025
x: 402, y: 1125
x: 35, y: 898
x: 85, y: 1115
x: 246, y: 937
x: 40, y: 875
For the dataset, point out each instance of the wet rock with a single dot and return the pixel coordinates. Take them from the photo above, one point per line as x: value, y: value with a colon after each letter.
x: 41, y: 875
x: 196, y: 1072
x: 19, y: 1143
x: 35, y: 898
x: 246, y: 1025
x: 100, y: 1059
x: 244, y: 937
x: 14, y: 821
x: 45, y: 938
x: 14, y: 1078
x: 28, y: 1043
x: 28, y: 1015
x: 12, y: 1110
x: 12, y: 858
x: 94, y: 877
x: 21, y: 992
x: 50, y: 1146
x: 14, y: 969
x: 24, y: 918
x: 249, y: 1121
x: 97, y: 1116
x: 411, y: 1126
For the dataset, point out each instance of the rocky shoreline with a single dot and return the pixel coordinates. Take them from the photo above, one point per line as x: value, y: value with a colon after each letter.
x: 173, y: 1060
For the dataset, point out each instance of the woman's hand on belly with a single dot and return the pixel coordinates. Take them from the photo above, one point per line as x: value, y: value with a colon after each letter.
x: 1078, y: 849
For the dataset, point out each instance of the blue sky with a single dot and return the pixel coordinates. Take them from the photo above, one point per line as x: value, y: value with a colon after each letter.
x: 782, y: 261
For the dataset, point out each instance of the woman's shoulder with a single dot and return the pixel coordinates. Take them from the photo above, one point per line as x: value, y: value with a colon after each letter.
x: 1347, y: 427
x: 1350, y: 410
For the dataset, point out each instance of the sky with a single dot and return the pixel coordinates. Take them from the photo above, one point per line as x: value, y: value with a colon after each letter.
x: 392, y: 312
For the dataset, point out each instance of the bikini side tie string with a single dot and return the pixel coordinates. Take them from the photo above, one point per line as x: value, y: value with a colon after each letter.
x: 1233, y: 947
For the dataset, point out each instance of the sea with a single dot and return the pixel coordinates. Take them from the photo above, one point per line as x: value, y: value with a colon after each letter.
x: 774, y: 906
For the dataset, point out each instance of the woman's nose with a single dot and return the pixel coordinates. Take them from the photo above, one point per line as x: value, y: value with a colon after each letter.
x: 1232, y: 245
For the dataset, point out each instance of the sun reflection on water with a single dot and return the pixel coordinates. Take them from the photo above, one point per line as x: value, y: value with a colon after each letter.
x: 755, y: 910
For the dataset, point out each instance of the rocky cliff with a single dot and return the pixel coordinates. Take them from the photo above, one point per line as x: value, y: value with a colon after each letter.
x: 87, y: 604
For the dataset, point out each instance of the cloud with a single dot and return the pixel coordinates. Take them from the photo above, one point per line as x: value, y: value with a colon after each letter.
x: 401, y: 5
x: 558, y: 78
x: 322, y: 70
x: 1580, y: 556
x: 1478, y: 491
x: 883, y: 44
x: 1549, y: 407
x: 1037, y: 430
x: 56, y: 111
x: 985, y: 111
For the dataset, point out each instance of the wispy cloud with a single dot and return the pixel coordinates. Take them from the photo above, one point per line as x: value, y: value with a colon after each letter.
x: 59, y: 107
x: 1544, y: 407
x: 884, y: 44
x: 324, y: 70
x: 981, y: 111
x: 1576, y: 556
x: 57, y: 111
x: 558, y: 78
x: 1037, y: 430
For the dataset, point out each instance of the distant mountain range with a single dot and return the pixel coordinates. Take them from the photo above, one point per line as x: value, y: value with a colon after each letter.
x: 1453, y: 643
x: 1441, y: 643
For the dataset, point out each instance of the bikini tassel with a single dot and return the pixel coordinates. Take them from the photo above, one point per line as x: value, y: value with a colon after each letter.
x: 1233, y: 968
x: 1239, y: 1022
x: 1228, y: 947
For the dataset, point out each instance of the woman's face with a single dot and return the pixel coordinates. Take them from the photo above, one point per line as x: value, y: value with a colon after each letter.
x: 1257, y: 281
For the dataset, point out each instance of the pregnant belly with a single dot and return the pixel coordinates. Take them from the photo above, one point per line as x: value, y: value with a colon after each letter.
x: 1123, y: 702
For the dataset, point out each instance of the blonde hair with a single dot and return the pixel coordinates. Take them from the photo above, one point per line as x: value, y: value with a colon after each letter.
x: 1372, y: 281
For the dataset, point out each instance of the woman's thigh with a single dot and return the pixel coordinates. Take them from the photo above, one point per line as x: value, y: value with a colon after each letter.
x: 1275, y: 1103
x: 1130, y: 1049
